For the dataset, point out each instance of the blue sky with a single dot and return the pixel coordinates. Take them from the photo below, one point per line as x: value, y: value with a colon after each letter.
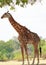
x: 33, y: 17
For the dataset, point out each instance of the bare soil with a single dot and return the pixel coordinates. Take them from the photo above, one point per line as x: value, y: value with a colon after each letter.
x: 14, y: 62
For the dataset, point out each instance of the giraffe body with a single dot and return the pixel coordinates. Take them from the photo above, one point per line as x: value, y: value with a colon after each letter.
x: 25, y: 37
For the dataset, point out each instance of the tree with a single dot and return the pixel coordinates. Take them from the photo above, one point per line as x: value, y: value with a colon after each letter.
x: 17, y: 2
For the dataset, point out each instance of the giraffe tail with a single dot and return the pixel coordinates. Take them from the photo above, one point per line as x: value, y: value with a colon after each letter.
x: 40, y: 51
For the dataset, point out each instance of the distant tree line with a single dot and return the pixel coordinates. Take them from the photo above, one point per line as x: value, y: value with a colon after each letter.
x: 11, y: 49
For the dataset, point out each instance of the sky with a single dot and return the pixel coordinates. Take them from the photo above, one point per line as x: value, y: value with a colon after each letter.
x: 33, y: 17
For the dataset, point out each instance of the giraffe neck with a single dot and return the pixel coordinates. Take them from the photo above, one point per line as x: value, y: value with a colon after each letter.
x: 16, y: 25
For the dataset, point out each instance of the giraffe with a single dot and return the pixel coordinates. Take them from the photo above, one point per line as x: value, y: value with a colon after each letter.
x: 25, y: 37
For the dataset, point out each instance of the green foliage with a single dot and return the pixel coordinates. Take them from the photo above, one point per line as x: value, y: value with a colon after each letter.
x: 11, y: 49
x: 7, y: 49
x: 5, y: 2
x: 24, y: 1
x: 12, y: 8
x: 32, y: 2
x: 17, y: 55
x: 17, y: 2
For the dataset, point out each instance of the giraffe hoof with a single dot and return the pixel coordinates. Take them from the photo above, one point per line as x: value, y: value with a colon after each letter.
x: 23, y: 64
x: 28, y: 64
x: 32, y: 64
x: 37, y: 64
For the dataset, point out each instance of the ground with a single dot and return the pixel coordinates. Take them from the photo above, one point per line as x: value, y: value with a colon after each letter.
x: 14, y: 62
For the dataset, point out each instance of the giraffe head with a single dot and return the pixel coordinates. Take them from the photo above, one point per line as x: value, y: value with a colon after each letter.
x: 6, y: 15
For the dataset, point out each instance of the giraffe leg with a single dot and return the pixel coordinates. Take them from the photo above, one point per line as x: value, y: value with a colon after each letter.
x: 34, y: 57
x: 37, y: 56
x: 26, y: 53
x: 22, y: 50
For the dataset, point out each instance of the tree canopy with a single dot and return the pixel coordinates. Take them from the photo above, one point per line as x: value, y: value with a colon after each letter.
x: 16, y: 2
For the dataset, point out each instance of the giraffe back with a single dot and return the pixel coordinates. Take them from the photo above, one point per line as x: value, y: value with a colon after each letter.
x: 27, y: 36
